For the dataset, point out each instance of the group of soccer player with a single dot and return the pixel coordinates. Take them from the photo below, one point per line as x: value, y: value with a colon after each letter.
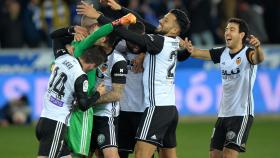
x: 112, y: 87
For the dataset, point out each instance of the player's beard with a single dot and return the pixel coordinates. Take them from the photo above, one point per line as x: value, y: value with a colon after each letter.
x: 160, y: 31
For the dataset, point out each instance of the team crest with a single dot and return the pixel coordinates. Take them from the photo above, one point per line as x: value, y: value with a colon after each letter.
x: 238, y: 61
x: 100, y: 139
x: 104, y: 68
x: 230, y: 135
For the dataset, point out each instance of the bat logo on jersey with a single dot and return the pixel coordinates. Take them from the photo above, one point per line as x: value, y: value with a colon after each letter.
x: 230, y: 75
x: 238, y: 61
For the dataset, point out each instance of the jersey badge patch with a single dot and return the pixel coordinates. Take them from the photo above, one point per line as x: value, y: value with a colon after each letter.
x: 230, y: 135
x: 85, y: 86
x: 238, y: 61
x: 100, y: 139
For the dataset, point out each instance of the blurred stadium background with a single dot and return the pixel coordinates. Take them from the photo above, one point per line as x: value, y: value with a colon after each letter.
x: 25, y: 56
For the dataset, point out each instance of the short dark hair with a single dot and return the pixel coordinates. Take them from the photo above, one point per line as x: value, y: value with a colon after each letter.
x: 138, y: 27
x: 94, y: 55
x: 182, y: 20
x: 111, y: 39
x: 243, y: 27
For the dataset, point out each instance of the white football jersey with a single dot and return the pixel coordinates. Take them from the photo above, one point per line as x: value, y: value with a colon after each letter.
x: 60, y: 93
x: 238, y: 77
x: 109, y: 109
x: 159, y: 75
x: 133, y: 95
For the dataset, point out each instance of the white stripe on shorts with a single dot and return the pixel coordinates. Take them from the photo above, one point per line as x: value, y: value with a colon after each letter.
x: 55, y: 141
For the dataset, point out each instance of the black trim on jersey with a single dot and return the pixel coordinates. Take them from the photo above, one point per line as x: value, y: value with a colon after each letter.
x: 247, y: 55
x: 249, y: 91
x: 151, y: 42
x: 119, y: 72
x: 63, y: 32
x: 149, y: 28
x: 232, y: 55
x: 60, y: 38
x: 216, y: 53
x: 183, y: 55
x: 84, y: 102
x: 151, y: 109
x: 152, y: 80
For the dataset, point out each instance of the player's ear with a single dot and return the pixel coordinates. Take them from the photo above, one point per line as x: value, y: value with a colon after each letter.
x: 175, y: 29
x: 242, y: 34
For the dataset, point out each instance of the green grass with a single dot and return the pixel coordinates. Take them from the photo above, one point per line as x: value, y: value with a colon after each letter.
x: 193, y: 137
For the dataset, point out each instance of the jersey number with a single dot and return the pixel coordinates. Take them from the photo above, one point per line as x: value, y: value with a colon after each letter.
x: 57, y: 83
x: 170, y: 72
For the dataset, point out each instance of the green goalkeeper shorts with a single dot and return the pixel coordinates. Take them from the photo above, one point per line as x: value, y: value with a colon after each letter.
x: 79, y: 131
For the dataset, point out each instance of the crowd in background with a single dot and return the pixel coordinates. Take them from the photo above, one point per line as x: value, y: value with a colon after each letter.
x: 27, y: 23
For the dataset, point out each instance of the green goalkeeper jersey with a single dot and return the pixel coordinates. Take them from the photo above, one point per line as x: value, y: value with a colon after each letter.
x: 79, y: 131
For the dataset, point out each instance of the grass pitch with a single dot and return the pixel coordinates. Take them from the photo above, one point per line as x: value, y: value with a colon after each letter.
x: 193, y: 136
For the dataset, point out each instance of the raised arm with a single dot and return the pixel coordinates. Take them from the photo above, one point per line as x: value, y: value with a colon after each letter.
x: 150, y: 29
x: 196, y: 52
x: 80, y: 46
x: 118, y: 73
x: 152, y: 43
x: 256, y: 55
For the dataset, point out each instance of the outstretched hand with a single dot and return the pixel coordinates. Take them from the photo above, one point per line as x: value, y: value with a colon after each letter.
x: 186, y: 44
x: 254, y: 41
x: 88, y: 10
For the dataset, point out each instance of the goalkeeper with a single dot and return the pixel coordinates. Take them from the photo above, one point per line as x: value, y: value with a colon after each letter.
x: 79, y: 131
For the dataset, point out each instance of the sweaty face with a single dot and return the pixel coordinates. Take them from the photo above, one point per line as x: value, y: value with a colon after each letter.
x: 166, y: 23
x: 232, y: 35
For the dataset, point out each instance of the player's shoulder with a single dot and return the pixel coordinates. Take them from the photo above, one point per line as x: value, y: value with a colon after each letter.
x: 71, y: 63
x: 219, y: 50
x: 117, y: 56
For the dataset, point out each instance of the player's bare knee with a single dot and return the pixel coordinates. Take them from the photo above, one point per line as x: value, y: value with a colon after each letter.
x: 230, y: 153
x: 215, y: 153
x: 110, y: 153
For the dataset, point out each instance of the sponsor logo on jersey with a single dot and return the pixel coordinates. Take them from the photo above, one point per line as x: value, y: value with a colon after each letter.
x: 230, y: 75
x: 174, y: 44
x: 238, y: 61
x: 56, y: 101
